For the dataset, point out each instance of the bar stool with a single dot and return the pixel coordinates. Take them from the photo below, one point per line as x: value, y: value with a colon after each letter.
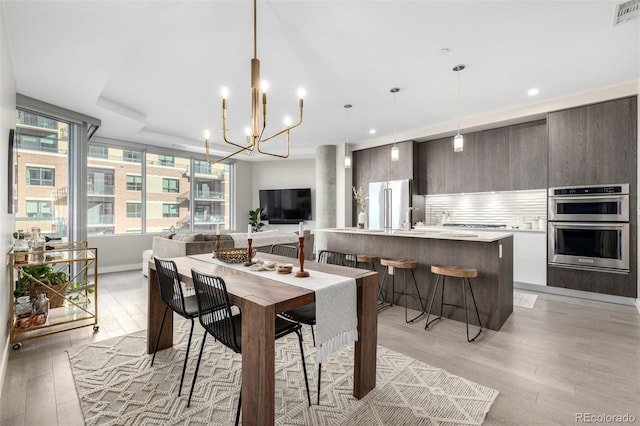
x: 455, y: 272
x: 367, y: 262
x: 404, y: 265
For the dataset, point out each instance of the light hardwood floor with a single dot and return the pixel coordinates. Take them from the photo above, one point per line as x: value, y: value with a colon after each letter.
x: 564, y: 356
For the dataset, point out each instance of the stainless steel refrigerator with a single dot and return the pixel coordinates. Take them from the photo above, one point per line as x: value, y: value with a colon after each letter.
x: 389, y: 203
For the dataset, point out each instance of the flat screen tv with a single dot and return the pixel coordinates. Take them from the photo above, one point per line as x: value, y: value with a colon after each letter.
x: 285, y: 205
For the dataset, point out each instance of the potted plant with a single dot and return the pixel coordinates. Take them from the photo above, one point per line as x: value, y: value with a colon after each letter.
x: 42, y: 279
x: 254, y: 220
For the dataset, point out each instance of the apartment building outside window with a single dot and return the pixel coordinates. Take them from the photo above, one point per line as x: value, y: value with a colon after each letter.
x: 39, y: 210
x: 170, y: 185
x: 41, y: 166
x: 134, y: 183
x: 134, y: 210
x: 41, y: 176
x: 129, y: 190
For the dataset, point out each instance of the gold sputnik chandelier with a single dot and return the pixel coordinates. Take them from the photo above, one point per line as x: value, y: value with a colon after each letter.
x: 255, y: 139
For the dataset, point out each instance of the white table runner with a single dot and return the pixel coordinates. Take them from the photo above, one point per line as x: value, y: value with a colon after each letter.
x: 264, y: 238
x: 336, y: 304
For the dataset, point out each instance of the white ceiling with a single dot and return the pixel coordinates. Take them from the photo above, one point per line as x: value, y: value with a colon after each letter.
x: 152, y: 70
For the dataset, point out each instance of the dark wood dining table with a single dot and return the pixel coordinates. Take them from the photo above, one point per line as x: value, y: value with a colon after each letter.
x: 260, y: 299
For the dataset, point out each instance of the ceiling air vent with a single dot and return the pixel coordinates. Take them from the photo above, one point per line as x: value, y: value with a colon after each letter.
x: 626, y: 11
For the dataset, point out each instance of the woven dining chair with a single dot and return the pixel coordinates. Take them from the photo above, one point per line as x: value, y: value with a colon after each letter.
x: 173, y: 297
x: 285, y: 250
x: 217, y: 318
x: 307, y: 314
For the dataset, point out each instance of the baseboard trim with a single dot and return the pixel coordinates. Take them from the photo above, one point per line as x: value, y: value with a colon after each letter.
x: 609, y: 298
x: 120, y: 268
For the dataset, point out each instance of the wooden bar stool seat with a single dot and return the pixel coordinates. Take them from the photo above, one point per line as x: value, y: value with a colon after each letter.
x: 404, y: 265
x: 455, y: 272
x: 367, y: 261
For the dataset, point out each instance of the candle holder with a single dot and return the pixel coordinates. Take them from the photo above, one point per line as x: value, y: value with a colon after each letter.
x: 217, y: 242
x: 249, y: 253
x: 301, y: 273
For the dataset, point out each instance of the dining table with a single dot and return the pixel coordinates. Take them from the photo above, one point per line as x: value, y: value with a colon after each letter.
x: 260, y: 299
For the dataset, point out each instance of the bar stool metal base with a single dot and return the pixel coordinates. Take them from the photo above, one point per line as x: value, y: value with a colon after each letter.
x: 464, y: 297
x: 383, y: 304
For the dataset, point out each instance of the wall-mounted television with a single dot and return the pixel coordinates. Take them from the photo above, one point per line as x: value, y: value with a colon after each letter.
x: 285, y: 205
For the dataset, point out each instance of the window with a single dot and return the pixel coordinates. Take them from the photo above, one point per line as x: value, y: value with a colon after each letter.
x: 100, y: 182
x: 38, y: 143
x: 98, y: 151
x: 41, y: 173
x: 134, y: 210
x: 166, y: 160
x: 134, y: 183
x: 100, y: 212
x: 35, y: 120
x: 120, y: 178
x: 41, y: 176
x: 170, y: 185
x: 201, y: 167
x: 132, y: 156
x: 39, y: 210
x: 170, y: 210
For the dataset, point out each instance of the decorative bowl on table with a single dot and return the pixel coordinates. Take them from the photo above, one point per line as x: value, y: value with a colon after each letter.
x: 284, y: 268
x: 233, y: 255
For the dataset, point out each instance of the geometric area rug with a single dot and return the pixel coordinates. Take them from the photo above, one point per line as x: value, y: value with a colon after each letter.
x: 117, y: 386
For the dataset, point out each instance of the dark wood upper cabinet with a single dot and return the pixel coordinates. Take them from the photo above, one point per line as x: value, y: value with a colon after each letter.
x: 431, y: 165
x: 594, y: 144
x: 567, y: 147
x: 611, y: 142
x: 492, y: 160
x: 459, y: 167
x: 380, y: 160
x: 528, y: 156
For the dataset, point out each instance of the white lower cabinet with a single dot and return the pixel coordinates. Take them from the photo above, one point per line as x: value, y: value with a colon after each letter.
x: 530, y: 257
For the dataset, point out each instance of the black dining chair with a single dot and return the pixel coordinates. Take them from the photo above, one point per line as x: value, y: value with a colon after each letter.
x: 174, y: 299
x: 337, y: 258
x: 218, y: 320
x: 285, y: 250
x: 307, y: 314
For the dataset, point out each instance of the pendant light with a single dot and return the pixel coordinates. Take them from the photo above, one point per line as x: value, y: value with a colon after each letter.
x: 395, y: 152
x: 458, y: 140
x: 347, y: 155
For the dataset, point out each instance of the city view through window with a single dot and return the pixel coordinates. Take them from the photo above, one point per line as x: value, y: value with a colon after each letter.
x: 180, y: 193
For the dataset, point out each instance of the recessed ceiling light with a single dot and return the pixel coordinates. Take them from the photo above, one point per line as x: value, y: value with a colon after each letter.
x: 534, y: 91
x: 372, y: 131
x: 444, y: 51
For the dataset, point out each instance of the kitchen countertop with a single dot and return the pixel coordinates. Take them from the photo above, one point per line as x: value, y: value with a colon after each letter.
x: 439, y: 233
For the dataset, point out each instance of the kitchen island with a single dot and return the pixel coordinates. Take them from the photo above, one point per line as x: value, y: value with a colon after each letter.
x: 491, y: 253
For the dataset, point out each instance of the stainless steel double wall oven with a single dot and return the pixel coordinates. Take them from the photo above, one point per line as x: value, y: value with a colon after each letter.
x: 589, y: 227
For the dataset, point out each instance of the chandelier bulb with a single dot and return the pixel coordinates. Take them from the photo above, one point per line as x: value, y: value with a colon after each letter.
x: 264, y: 86
x: 224, y: 92
x: 302, y: 93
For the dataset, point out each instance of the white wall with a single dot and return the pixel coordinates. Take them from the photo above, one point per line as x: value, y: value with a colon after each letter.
x: 7, y: 221
x: 282, y: 174
x: 120, y: 252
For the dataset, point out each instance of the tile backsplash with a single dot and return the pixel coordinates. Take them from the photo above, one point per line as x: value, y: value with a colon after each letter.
x: 507, y: 207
